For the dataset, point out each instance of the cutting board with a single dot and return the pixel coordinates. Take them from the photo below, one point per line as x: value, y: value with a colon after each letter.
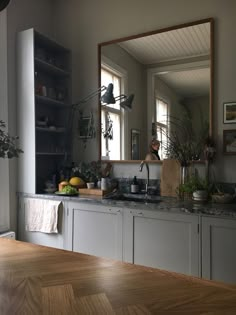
x: 170, y: 177
x: 92, y: 191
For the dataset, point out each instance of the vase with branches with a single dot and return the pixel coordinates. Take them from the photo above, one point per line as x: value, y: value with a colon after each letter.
x: 183, y: 143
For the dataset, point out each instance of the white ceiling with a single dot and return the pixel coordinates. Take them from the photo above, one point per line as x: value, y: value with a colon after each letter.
x: 176, y: 46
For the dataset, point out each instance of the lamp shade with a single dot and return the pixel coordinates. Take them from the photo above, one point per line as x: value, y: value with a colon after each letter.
x: 3, y: 4
x: 108, y: 97
x: 127, y: 103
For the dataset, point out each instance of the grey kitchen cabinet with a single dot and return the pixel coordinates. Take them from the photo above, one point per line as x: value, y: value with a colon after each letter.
x: 162, y: 240
x: 96, y: 229
x: 43, y: 99
x: 58, y: 240
x: 219, y: 249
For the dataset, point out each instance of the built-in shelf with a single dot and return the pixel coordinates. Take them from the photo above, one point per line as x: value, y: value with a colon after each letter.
x: 47, y: 67
x: 50, y: 153
x: 51, y: 130
x: 45, y: 137
x: 50, y: 101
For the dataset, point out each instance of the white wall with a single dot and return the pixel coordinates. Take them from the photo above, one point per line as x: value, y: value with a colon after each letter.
x: 87, y: 23
x: 4, y: 163
x: 21, y: 15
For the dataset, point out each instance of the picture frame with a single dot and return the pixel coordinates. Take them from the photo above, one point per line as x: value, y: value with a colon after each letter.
x: 84, y: 127
x: 229, y: 113
x: 229, y: 142
x: 135, y: 144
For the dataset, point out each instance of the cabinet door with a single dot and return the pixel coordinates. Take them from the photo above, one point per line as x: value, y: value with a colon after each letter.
x: 97, y: 230
x: 162, y: 240
x: 219, y: 249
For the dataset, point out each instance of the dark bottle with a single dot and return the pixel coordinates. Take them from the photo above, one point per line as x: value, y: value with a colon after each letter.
x: 134, y: 189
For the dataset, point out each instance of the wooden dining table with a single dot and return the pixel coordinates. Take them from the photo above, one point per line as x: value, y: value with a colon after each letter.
x: 42, y: 280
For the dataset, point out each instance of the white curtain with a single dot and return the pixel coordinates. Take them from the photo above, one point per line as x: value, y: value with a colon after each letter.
x: 4, y: 164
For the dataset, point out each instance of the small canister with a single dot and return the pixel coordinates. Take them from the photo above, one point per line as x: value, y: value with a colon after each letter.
x: 104, y: 184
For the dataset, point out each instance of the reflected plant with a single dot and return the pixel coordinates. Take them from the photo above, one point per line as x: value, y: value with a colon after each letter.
x: 108, y: 132
x: 183, y: 144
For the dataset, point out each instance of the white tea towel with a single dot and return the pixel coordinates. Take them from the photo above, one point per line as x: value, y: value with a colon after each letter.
x: 41, y: 215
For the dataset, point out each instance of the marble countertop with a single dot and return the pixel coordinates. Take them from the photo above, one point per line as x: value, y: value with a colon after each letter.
x: 166, y: 204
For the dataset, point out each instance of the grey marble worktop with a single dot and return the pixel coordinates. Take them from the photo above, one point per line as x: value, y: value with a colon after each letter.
x: 165, y: 204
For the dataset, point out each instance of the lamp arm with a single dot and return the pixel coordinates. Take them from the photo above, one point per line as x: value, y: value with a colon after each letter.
x: 120, y: 97
x: 88, y: 97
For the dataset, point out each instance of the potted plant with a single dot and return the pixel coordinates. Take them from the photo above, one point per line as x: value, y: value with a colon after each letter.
x: 194, y: 188
x: 8, y: 144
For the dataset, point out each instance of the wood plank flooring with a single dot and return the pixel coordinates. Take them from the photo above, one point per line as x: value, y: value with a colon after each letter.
x: 41, y: 280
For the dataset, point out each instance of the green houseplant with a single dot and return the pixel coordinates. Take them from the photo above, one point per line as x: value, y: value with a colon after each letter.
x: 8, y: 144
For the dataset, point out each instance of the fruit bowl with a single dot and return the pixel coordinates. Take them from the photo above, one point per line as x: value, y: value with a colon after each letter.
x: 222, y: 198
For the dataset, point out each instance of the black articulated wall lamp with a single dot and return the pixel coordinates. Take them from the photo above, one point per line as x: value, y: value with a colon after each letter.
x: 87, y: 122
x: 3, y: 4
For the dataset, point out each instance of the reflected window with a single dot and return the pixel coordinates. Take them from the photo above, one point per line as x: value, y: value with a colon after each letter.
x: 111, y: 119
x: 161, y: 125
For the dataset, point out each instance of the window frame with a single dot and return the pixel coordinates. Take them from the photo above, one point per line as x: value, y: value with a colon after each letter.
x: 161, y: 125
x: 114, y: 69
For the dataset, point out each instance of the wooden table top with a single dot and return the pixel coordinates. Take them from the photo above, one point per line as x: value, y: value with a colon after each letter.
x: 42, y: 280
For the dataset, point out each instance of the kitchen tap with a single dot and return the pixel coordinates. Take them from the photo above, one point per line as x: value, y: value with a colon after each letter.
x: 140, y: 170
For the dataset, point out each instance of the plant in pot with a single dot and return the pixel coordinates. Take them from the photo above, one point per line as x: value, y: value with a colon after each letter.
x: 194, y: 188
x: 8, y: 144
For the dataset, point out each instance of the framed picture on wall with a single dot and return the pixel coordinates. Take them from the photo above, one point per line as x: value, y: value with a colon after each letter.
x: 230, y: 113
x: 84, y: 127
x: 135, y: 144
x: 229, y: 142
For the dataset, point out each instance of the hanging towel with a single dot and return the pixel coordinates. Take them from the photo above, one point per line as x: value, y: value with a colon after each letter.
x: 41, y: 215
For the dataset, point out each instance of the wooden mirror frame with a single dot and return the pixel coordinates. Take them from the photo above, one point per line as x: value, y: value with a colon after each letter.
x: 100, y: 45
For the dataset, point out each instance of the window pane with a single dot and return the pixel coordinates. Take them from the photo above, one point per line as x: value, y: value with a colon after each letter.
x: 161, y: 125
x: 108, y: 77
x: 114, y: 144
x: 111, y: 148
x: 161, y: 111
x: 103, y: 140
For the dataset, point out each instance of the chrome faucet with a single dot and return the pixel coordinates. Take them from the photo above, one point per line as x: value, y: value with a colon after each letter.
x: 140, y: 170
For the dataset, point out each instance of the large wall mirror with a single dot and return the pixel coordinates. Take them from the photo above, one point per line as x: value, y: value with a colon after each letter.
x: 168, y: 71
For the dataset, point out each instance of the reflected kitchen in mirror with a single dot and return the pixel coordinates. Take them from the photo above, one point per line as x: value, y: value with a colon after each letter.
x: 170, y: 72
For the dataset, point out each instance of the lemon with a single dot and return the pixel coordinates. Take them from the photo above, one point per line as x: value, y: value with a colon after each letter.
x: 76, y: 181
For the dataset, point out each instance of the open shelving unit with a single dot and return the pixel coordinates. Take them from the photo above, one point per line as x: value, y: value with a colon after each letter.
x: 44, y: 99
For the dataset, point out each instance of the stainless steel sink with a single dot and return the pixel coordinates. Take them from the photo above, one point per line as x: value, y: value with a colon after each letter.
x: 141, y: 198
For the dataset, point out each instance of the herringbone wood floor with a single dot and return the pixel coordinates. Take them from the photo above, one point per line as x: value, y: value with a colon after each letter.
x: 40, y: 280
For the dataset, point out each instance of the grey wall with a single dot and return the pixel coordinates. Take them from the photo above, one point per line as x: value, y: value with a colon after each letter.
x: 88, y: 22
x: 21, y: 15
x: 82, y: 24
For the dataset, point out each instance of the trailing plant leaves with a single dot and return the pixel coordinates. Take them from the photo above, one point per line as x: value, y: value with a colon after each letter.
x: 8, y: 144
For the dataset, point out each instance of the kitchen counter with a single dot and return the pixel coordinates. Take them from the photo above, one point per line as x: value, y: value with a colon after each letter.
x: 42, y: 280
x: 167, y: 204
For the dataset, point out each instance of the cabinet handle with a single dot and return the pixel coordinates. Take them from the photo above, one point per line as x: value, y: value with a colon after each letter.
x: 118, y: 211
x: 140, y: 213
